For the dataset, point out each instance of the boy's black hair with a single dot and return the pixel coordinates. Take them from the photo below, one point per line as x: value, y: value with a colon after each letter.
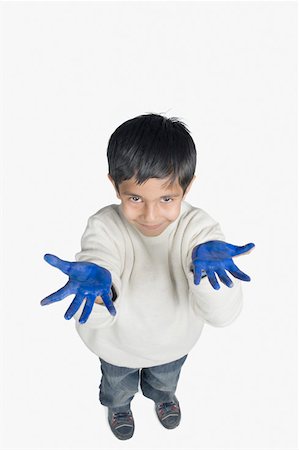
x: 152, y: 146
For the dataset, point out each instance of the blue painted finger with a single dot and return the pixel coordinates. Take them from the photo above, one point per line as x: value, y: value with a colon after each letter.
x: 224, y: 278
x: 243, y: 249
x: 212, y: 279
x: 109, y: 303
x: 90, y: 299
x: 65, y: 291
x: 197, y: 271
x: 64, y: 266
x: 236, y: 272
x: 74, y: 306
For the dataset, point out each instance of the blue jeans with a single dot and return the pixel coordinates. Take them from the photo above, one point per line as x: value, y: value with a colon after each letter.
x: 120, y: 384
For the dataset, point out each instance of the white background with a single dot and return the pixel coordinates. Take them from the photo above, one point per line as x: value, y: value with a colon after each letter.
x: 72, y: 73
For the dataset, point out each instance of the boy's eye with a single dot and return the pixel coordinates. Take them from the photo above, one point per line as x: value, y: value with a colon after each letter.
x: 166, y: 198
x: 133, y: 198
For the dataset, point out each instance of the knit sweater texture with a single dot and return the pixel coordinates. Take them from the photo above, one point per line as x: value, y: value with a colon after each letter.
x: 160, y: 311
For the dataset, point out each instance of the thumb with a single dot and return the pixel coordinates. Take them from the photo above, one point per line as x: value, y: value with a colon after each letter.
x: 64, y: 266
x: 244, y: 249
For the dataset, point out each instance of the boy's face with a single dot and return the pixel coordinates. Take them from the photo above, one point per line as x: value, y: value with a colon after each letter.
x: 150, y: 207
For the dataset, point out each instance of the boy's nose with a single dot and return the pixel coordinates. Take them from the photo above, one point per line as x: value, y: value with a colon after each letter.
x: 150, y: 215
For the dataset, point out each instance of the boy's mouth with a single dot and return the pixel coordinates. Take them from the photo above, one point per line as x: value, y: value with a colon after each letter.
x: 151, y: 227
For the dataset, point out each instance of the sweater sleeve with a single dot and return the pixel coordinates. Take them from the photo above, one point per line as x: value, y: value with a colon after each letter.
x: 221, y: 307
x: 99, y: 246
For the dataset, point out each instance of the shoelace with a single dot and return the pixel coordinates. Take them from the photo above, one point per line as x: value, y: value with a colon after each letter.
x: 122, y: 416
x: 163, y: 407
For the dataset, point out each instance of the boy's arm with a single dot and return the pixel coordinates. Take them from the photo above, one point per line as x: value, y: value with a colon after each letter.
x: 97, y: 246
x: 218, y: 308
x: 221, y: 307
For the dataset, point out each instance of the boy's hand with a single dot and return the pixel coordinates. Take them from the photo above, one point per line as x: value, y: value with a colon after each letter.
x: 86, y: 280
x: 216, y: 257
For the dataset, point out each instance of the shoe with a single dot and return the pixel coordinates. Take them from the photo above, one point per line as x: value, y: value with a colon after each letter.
x: 121, y: 423
x: 169, y: 413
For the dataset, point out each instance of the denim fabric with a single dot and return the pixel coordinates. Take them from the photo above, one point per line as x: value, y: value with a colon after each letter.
x: 120, y: 384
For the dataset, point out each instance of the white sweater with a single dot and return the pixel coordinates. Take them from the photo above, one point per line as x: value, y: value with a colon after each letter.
x: 160, y: 311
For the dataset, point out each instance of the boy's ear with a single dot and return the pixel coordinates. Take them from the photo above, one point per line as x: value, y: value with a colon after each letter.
x: 112, y: 181
x: 189, y: 186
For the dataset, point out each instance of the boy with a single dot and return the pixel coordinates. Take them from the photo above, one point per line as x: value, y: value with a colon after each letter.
x: 151, y: 263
